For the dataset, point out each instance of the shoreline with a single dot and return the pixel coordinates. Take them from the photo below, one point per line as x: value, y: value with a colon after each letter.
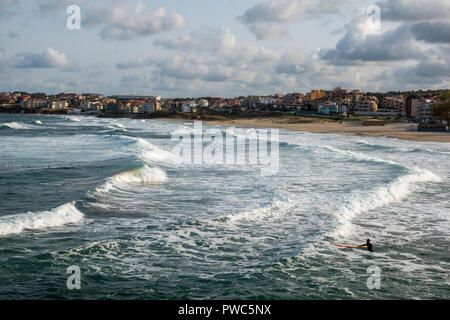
x: 402, y: 131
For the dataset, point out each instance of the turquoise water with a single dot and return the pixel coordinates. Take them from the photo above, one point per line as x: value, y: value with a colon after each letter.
x: 106, y: 195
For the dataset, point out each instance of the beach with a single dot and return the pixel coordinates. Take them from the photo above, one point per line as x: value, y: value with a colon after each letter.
x: 404, y: 131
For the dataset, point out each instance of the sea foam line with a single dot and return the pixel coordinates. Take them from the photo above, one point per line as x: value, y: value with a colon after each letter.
x: 56, y: 217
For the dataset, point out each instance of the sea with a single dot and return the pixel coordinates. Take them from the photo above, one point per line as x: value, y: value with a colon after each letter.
x: 99, y: 208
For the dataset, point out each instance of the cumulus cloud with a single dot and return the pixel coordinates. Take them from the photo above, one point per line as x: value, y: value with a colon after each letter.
x: 129, y: 20
x: 269, y: 19
x: 136, y: 64
x: 50, y: 58
x: 432, y: 32
x: 435, y: 67
x: 414, y: 10
x: 364, y: 42
x: 205, y: 39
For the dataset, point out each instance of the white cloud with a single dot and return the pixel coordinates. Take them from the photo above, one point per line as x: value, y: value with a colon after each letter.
x: 363, y: 42
x: 205, y: 39
x: 414, y: 10
x: 269, y: 19
x: 129, y: 20
x: 50, y: 58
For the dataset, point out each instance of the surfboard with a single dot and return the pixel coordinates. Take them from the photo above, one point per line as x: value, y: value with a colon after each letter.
x: 347, y: 246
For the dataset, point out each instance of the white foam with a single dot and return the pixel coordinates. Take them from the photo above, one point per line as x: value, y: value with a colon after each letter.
x: 275, y: 210
x: 395, y: 191
x: 140, y: 176
x: 57, y: 217
x: 151, y: 153
x: 18, y: 126
x: 39, y: 122
x: 132, y: 178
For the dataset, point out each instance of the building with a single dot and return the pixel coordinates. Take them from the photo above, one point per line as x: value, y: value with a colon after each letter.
x: 113, y: 108
x: 58, y: 104
x: 136, y: 97
x: 33, y: 103
x: 202, y: 104
x: 425, y: 110
x: 295, y: 98
x: 394, y: 103
x: 412, y: 107
x: 189, y: 107
x: 250, y: 102
x: 367, y: 104
x: 332, y: 108
x: 150, y: 107
x: 315, y: 94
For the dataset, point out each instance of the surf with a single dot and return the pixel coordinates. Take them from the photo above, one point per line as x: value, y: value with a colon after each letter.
x: 18, y: 126
x: 31, y: 221
x: 395, y: 191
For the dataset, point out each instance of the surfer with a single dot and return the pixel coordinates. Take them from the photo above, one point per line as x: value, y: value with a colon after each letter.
x: 368, y: 245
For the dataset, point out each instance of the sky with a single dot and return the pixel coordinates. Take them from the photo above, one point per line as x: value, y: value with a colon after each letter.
x: 227, y: 48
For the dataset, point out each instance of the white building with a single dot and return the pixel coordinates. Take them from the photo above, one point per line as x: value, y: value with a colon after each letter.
x: 189, y: 107
x: 58, y: 104
x: 202, y: 103
x: 33, y: 103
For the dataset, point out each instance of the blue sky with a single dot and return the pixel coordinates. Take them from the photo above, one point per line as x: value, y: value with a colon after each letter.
x: 223, y: 47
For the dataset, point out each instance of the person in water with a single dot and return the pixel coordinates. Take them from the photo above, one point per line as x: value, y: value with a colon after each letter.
x: 368, y: 245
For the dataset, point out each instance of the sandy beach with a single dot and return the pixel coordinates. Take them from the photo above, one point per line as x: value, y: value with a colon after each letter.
x: 404, y: 131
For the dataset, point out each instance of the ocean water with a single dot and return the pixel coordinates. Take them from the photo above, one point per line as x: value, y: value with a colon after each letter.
x: 107, y: 196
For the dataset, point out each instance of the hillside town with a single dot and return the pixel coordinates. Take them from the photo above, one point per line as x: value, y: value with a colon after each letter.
x: 413, y: 106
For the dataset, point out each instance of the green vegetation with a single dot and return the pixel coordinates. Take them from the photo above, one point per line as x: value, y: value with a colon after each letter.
x: 442, y: 108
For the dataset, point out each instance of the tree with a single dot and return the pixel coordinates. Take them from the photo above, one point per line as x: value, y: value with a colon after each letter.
x: 442, y: 108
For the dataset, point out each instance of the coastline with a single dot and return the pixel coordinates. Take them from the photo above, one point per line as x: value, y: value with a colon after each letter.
x: 402, y: 131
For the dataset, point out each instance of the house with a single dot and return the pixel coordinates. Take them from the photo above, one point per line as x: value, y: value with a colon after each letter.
x: 33, y: 103
x: 367, y: 104
x: 202, y: 104
x: 331, y: 108
x: 396, y: 104
x: 189, y: 107
x: 58, y: 104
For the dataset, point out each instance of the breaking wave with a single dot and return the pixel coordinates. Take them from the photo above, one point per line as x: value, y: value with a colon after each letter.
x: 57, y: 217
x: 18, y: 126
x: 151, y: 153
x: 384, y: 195
x: 143, y: 175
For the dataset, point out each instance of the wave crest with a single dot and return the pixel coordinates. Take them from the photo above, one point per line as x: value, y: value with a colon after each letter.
x: 57, y: 217
x: 18, y: 126
x: 395, y: 191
